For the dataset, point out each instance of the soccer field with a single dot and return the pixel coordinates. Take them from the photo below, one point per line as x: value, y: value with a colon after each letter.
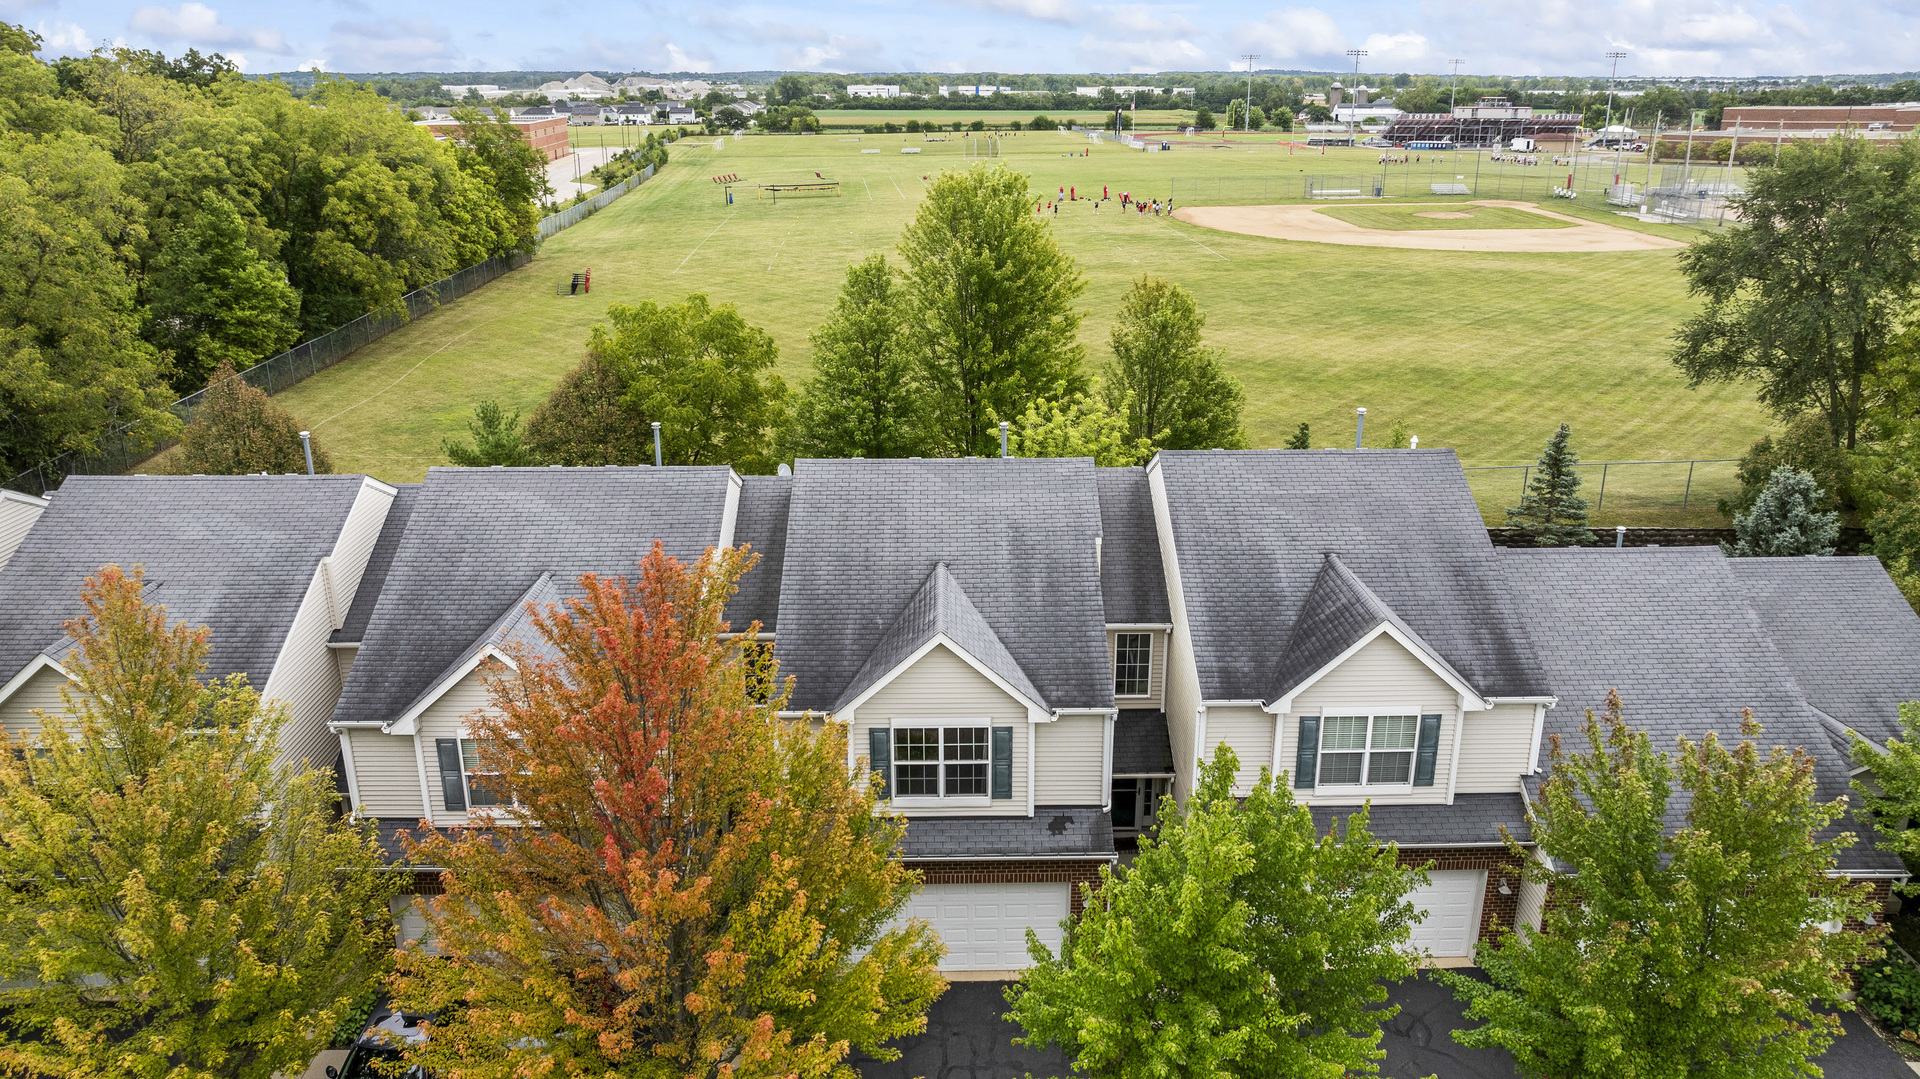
x: 1481, y: 352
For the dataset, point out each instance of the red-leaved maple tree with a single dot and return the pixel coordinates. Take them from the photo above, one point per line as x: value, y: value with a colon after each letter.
x: 680, y: 881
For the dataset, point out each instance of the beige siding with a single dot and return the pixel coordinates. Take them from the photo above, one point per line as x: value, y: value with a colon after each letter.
x: 343, y: 661
x: 446, y: 718
x: 1493, y: 749
x: 1182, y: 677
x: 942, y: 686
x: 1248, y: 731
x: 1156, y: 670
x: 387, y: 774
x: 1070, y: 761
x: 355, y: 546
x: 1382, y: 677
x: 40, y: 693
x: 16, y: 520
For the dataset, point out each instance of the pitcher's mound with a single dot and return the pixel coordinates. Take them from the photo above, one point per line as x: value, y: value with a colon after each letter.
x: 1303, y: 223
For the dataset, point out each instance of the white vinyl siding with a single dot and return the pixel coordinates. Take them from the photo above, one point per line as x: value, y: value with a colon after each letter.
x: 17, y: 515
x: 446, y: 718
x: 1182, y: 678
x: 386, y: 773
x: 940, y: 687
x: 343, y: 661
x: 42, y: 692
x: 1248, y: 731
x: 1533, y: 904
x: 1382, y: 678
x: 1493, y: 749
x: 1070, y: 758
x: 1156, y: 670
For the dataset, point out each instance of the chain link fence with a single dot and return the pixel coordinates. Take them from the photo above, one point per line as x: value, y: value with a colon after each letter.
x: 1681, y: 489
x: 122, y: 446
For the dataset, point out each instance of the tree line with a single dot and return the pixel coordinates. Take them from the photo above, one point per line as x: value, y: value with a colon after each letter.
x: 160, y: 218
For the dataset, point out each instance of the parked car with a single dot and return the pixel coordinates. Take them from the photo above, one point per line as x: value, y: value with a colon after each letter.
x: 380, y: 1044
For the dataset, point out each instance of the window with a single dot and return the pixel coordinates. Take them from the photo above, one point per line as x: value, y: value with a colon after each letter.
x: 1367, y: 750
x: 1132, y: 664
x: 478, y: 782
x: 940, y: 762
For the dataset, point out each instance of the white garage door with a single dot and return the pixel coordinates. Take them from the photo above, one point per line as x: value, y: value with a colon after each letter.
x: 985, y: 925
x: 1452, y: 907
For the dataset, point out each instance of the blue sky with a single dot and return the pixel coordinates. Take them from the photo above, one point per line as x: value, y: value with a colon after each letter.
x: 1510, y: 37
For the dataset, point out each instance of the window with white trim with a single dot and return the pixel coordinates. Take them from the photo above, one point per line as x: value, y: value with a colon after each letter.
x: 481, y: 786
x: 941, y: 762
x: 1369, y: 751
x: 1132, y: 664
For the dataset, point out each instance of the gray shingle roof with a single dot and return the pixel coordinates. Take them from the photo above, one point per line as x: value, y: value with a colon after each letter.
x: 480, y: 536
x: 1850, y: 638
x: 1253, y: 528
x: 940, y: 606
x: 235, y: 553
x: 1472, y: 819
x: 1338, y: 612
x: 1132, y: 580
x: 1140, y: 743
x: 762, y: 524
x: 511, y: 633
x: 379, y: 561
x: 1017, y: 535
x: 1051, y: 831
x: 1669, y: 628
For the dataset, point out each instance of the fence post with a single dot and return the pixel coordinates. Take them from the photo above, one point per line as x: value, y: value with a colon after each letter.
x: 1524, y: 471
x: 1602, y: 500
x: 1688, y: 493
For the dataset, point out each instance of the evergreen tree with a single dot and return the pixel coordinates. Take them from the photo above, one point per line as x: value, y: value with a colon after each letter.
x: 239, y: 430
x: 213, y: 300
x: 1181, y: 397
x: 1241, y: 942
x: 1300, y: 440
x: 1785, y: 520
x: 866, y: 399
x: 1697, y: 951
x: 1552, y: 513
x: 496, y: 440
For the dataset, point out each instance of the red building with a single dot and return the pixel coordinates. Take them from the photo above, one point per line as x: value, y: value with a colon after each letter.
x: 547, y: 133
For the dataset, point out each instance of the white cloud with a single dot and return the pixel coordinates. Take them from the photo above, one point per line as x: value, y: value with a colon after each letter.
x: 390, y: 45
x: 679, y: 59
x: 1141, y: 19
x: 1287, y: 36
x: 840, y: 53
x: 200, y: 26
x: 1401, y: 50
x: 1141, y: 55
x: 1065, y: 12
x: 312, y: 65
x: 63, y: 39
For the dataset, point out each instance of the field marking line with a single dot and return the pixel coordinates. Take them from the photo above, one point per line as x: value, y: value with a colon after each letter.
x: 404, y: 374
x: 777, y: 247
x: 1191, y: 240
x: 896, y: 187
x: 703, y: 241
x: 863, y: 183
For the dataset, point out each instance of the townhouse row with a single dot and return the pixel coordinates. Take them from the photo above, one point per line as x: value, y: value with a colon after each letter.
x: 1031, y: 652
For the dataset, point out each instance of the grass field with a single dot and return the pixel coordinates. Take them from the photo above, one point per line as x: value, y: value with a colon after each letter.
x: 1407, y: 218
x: 1481, y: 352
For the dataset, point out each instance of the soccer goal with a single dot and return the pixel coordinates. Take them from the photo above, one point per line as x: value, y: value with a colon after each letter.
x: 777, y: 191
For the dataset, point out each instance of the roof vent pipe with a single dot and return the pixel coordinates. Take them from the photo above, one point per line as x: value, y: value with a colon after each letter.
x: 783, y: 470
x: 1359, y: 425
x: 1619, y: 535
x: 1003, y: 439
x: 656, y: 443
x: 306, y: 443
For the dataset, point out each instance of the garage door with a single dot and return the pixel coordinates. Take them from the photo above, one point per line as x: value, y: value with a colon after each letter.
x: 985, y: 925
x: 1452, y: 907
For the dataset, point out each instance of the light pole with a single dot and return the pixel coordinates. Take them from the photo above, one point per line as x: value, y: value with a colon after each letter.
x: 1453, y: 85
x: 1356, y: 54
x: 1616, y: 57
x: 1246, y: 110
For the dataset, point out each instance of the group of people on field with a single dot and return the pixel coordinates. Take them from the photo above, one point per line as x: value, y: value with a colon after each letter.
x: 1517, y: 159
x: 1068, y: 194
x: 1403, y: 159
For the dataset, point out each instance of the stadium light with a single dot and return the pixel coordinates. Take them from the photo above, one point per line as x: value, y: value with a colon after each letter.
x: 1616, y: 57
x: 1453, y: 85
x: 1356, y: 54
x: 1246, y: 111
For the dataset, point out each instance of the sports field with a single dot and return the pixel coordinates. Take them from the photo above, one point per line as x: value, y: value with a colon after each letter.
x: 1418, y: 218
x: 1483, y: 352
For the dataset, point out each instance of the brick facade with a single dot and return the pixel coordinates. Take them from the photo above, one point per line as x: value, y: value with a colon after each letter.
x: 1497, y: 861
x: 1074, y: 873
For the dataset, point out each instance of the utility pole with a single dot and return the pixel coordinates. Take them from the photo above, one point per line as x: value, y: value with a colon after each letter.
x: 1246, y: 113
x: 1356, y: 54
x: 1616, y: 57
x: 1453, y: 85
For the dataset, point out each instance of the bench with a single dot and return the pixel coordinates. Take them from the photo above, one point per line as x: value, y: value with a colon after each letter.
x: 1450, y: 189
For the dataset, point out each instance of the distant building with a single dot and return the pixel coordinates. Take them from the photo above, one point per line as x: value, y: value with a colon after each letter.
x: 547, y: 132
x: 682, y: 116
x: 1094, y: 91
x: 485, y: 89
x: 668, y: 87
x: 626, y: 115
x: 749, y: 108
x: 585, y: 85
x: 975, y: 90
x: 873, y: 89
x: 584, y: 115
x: 1360, y: 112
x: 1822, y: 121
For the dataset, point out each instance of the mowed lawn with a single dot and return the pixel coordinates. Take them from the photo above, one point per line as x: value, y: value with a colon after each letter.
x: 1484, y: 353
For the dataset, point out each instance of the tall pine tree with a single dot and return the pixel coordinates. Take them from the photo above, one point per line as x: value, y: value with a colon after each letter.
x: 1552, y: 512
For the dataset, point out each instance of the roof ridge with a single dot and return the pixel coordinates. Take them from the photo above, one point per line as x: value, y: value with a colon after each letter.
x: 1307, y: 651
x: 939, y: 607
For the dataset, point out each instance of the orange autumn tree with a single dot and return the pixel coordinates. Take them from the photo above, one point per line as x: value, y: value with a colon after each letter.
x: 691, y: 885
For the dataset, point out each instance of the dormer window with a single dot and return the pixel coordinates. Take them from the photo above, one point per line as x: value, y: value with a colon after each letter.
x: 940, y: 762
x: 1367, y: 750
x: 1132, y: 664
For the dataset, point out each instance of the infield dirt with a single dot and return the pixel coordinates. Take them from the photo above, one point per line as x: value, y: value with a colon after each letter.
x: 1306, y: 223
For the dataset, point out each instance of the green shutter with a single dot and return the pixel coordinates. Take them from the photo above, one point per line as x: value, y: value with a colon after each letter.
x: 880, y: 758
x: 1003, y: 762
x: 1307, y: 755
x: 1423, y: 757
x: 452, y: 787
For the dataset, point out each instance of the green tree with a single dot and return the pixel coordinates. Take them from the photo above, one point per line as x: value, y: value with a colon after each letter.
x: 1805, y: 294
x: 703, y: 374
x: 1552, y: 513
x: 496, y: 440
x: 1301, y: 439
x: 583, y: 422
x: 237, y: 429
x: 1807, y: 445
x: 701, y: 888
x: 179, y: 903
x: 1240, y: 942
x: 1785, y: 520
x: 1892, y: 799
x: 866, y: 399
x: 1203, y: 118
x: 991, y: 296
x: 1694, y: 952
x: 1077, y: 425
x: 212, y: 300
x: 1182, y: 397
x: 501, y: 158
